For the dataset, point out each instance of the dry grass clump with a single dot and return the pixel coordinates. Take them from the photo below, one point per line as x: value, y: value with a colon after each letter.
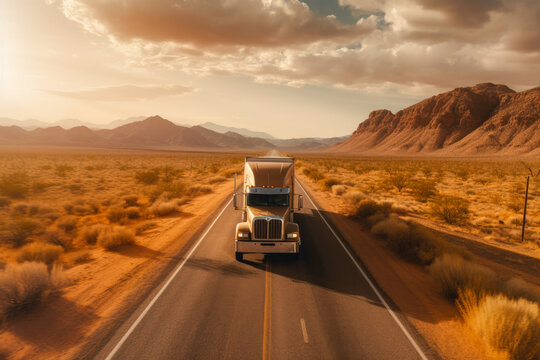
x: 68, y: 223
x: 399, y: 180
x: 22, y: 285
x: 164, y: 208
x: 339, y: 189
x: 516, y: 288
x: 113, y: 237
x: 354, y: 197
x: 116, y: 214
x: 313, y: 173
x: 505, y: 325
x: 133, y: 212
x: 18, y: 230
x: 141, y: 228
x: 371, y: 212
x: 56, y: 237
x: 148, y: 177
x: 452, y: 209
x: 14, y: 185
x: 198, y: 190
x: 423, y: 190
x: 39, y: 252
x: 515, y: 203
x: 412, y: 242
x: 328, y: 183
x: 4, y: 201
x: 217, y: 180
x: 131, y: 200
x: 453, y: 273
x: 90, y: 233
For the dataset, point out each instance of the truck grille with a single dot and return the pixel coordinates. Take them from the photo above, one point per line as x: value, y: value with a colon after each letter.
x: 260, y: 228
x: 274, y: 231
x: 267, y: 229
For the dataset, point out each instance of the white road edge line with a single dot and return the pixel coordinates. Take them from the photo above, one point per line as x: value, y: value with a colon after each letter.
x: 164, y: 287
x: 304, y: 330
x: 373, y: 287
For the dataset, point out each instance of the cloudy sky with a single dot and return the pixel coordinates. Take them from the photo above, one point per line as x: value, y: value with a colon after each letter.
x: 288, y: 67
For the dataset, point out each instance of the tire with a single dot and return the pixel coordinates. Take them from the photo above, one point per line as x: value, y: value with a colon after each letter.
x: 239, y: 256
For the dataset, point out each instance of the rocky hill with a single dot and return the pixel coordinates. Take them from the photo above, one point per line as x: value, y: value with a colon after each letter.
x: 485, y: 119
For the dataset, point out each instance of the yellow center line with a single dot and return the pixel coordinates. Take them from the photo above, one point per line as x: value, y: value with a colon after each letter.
x: 267, y: 330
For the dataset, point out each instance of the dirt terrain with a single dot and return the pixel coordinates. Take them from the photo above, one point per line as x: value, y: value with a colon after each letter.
x: 410, y: 285
x: 105, y: 289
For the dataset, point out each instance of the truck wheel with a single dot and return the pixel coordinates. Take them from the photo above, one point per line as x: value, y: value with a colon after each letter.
x: 239, y: 256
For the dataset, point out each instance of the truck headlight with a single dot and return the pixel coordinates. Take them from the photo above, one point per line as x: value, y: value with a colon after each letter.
x: 243, y: 235
x: 292, y: 236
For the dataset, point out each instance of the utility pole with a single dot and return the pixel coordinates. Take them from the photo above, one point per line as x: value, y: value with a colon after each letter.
x: 526, y: 197
x: 525, y: 211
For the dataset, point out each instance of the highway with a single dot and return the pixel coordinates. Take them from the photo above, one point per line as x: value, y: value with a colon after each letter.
x: 321, y: 306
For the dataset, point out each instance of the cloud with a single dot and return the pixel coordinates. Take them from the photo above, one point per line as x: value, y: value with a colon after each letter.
x: 401, y: 44
x: 124, y: 92
x: 208, y: 23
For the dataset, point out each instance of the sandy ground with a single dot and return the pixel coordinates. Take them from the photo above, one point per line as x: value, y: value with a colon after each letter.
x: 409, y: 285
x: 104, y: 290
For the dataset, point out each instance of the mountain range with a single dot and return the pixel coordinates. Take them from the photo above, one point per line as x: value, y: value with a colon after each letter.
x: 485, y: 119
x: 151, y: 133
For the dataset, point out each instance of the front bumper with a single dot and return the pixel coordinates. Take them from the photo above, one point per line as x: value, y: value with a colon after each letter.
x: 267, y: 247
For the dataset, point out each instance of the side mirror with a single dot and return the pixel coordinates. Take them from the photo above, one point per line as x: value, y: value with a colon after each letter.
x: 234, y: 201
x: 300, y: 202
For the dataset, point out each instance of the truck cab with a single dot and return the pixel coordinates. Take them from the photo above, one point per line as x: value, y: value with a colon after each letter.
x: 267, y: 202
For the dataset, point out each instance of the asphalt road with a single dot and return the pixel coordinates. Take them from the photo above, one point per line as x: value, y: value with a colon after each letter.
x: 320, y: 306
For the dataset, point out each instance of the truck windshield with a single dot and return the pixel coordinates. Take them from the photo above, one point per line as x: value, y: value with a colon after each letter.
x: 268, y: 200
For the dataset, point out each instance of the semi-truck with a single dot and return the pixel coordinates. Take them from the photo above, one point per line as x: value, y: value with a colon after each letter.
x: 267, y: 203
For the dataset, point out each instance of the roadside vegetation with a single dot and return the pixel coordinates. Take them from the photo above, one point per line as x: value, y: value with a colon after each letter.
x: 387, y: 196
x: 59, y: 210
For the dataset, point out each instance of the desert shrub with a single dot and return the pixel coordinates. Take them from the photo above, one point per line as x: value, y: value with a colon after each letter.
x: 197, y: 190
x: 14, y: 185
x: 217, y: 180
x: 515, y: 203
x: 56, y: 237
x: 452, y: 273
x: 452, y: 209
x: 371, y: 212
x: 141, y: 228
x: 112, y: 237
x: 463, y: 174
x: 131, y: 200
x: 147, y: 177
x: 339, y: 189
x: 409, y: 241
x: 62, y: 170
x: 68, y: 223
x: 505, y: 325
x: 423, y: 190
x: 22, y: 285
x: 4, y: 201
x: 20, y: 209
x: 354, y: 197
x: 18, y: 230
x: 170, y: 190
x: 163, y: 208
x: 133, y: 212
x: 399, y: 180
x: 116, y: 214
x: 169, y: 173
x: 76, y: 188
x: 39, y: 252
x: 313, y: 173
x: 90, y: 233
x: 329, y: 182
